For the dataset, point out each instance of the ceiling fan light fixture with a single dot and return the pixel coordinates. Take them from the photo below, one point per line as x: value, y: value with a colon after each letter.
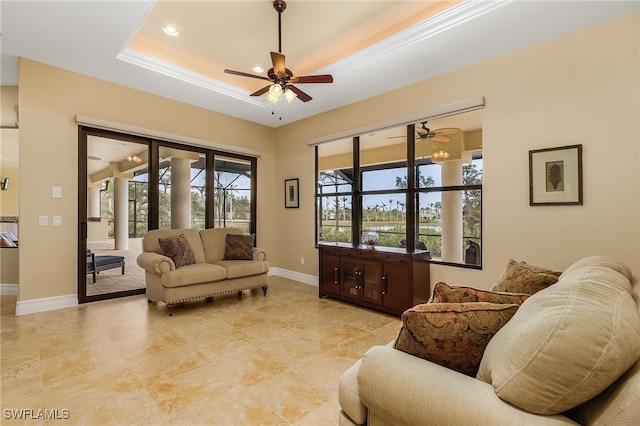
x: 290, y: 95
x: 275, y: 90
x: 440, y: 155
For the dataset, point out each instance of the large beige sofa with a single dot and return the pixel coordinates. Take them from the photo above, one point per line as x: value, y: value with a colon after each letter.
x: 209, y: 276
x: 528, y: 363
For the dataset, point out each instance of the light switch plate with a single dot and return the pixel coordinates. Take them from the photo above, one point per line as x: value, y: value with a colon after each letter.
x: 57, y: 192
x: 43, y: 220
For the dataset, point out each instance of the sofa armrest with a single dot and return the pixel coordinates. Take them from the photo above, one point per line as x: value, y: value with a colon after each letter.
x: 259, y: 254
x: 404, y: 389
x: 155, y: 263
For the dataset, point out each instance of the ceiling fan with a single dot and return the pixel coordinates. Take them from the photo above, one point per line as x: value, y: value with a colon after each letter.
x: 282, y: 78
x: 436, y: 135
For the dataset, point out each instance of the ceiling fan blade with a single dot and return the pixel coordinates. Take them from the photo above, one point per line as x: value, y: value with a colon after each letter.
x: 277, y: 59
x: 321, y: 78
x: 261, y: 92
x: 244, y: 74
x: 301, y: 95
x: 441, y: 138
x: 447, y: 131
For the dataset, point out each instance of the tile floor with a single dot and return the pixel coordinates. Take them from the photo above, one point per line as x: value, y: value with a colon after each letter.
x: 253, y: 360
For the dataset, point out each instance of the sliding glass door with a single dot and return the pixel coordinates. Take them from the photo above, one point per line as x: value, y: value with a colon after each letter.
x: 129, y: 184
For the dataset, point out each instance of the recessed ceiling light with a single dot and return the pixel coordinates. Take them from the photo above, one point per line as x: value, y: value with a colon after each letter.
x: 257, y: 68
x: 171, y: 30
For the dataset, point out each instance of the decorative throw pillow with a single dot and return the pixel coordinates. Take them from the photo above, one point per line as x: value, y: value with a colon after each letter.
x: 453, y: 335
x: 177, y: 249
x: 520, y: 277
x: 444, y: 293
x: 238, y: 247
x: 567, y: 344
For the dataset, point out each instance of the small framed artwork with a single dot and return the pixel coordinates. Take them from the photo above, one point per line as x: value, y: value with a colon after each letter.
x: 555, y: 176
x: 291, y: 194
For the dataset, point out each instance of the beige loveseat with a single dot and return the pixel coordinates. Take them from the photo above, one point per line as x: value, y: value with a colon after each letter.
x: 558, y: 357
x: 208, y: 276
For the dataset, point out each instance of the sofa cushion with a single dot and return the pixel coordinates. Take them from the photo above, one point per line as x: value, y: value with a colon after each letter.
x: 150, y: 242
x: 238, y: 247
x: 177, y: 249
x: 444, y: 293
x: 214, y: 242
x: 348, y: 395
x: 520, y: 277
x: 567, y: 343
x: 453, y: 335
x: 198, y: 273
x: 244, y: 268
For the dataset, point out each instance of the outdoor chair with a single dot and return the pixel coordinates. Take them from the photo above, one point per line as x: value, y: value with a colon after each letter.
x: 95, y: 264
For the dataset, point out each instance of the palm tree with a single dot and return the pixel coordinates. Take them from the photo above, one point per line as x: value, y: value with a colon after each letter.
x: 390, y: 204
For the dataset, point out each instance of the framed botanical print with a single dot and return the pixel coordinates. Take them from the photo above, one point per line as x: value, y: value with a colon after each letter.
x: 555, y: 176
x: 291, y: 194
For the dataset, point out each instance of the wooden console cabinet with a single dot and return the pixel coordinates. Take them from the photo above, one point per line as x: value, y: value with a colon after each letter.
x: 384, y: 278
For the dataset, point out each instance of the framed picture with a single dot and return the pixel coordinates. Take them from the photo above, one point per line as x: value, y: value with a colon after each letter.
x: 291, y: 194
x: 555, y: 176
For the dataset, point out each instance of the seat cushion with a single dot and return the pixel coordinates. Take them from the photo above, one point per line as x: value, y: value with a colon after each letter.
x: 243, y: 268
x: 453, y: 335
x: 109, y: 260
x: 348, y: 396
x: 567, y: 343
x: 198, y: 273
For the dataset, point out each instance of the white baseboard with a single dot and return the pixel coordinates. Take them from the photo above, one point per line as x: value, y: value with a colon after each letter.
x: 33, y: 306
x: 60, y: 302
x: 8, y: 289
x: 296, y: 276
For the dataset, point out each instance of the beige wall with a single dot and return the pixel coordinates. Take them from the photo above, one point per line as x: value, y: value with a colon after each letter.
x: 575, y: 89
x: 50, y: 99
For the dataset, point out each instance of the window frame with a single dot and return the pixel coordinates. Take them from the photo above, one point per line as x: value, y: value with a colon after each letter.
x: 412, y: 193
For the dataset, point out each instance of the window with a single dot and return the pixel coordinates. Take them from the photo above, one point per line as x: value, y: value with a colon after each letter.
x: 425, y: 194
x: 335, y: 191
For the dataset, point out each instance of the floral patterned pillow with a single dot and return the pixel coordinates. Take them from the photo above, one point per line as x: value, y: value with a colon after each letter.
x: 238, y: 247
x: 177, y: 249
x: 520, y: 277
x: 453, y: 335
x: 444, y: 293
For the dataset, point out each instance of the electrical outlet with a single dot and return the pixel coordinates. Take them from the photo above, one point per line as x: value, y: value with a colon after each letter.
x: 302, y: 260
x: 57, y: 192
x: 43, y: 220
x: 57, y: 220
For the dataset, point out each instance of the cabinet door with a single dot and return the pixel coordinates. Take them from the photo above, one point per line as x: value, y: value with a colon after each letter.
x: 397, y: 286
x: 331, y: 274
x: 350, y: 278
x: 371, y: 282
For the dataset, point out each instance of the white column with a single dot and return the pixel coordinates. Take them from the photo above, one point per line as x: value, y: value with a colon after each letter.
x: 94, y: 201
x: 452, y: 250
x: 180, y: 193
x: 121, y: 212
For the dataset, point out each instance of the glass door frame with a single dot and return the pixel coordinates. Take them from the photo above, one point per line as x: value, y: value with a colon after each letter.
x: 83, y: 134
